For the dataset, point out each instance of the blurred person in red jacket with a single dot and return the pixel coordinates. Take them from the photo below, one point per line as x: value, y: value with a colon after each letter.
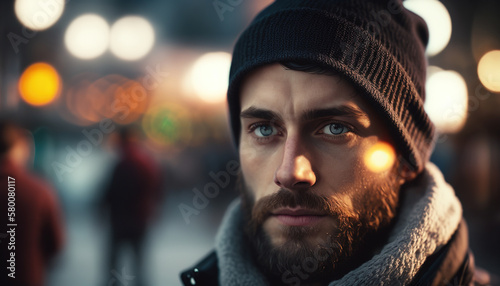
x: 131, y: 198
x: 31, y: 231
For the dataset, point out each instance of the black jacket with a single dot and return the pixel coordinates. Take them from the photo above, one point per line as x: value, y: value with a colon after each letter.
x: 453, y: 264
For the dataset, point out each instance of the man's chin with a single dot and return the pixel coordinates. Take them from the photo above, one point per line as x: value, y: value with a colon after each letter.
x: 310, y: 235
x: 299, y: 252
x: 292, y: 247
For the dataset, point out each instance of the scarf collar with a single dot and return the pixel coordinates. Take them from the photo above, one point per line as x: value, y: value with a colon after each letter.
x: 429, y: 215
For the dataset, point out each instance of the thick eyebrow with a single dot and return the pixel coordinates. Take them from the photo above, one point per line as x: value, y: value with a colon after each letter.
x: 343, y: 110
x: 254, y: 112
x: 309, y: 115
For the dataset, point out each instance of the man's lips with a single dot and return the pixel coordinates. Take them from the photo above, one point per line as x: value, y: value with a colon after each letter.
x: 297, y: 216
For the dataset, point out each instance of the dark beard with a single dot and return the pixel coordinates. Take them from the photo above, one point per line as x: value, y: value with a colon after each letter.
x: 352, y: 239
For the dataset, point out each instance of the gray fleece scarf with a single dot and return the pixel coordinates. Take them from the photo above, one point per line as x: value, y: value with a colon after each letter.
x: 430, y: 214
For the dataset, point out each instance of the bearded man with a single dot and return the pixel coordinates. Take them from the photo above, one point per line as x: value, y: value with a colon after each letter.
x: 326, y: 107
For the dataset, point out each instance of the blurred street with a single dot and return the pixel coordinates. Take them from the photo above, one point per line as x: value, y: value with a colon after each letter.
x: 171, y: 247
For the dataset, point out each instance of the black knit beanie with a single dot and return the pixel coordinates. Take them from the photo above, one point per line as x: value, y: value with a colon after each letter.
x: 377, y: 45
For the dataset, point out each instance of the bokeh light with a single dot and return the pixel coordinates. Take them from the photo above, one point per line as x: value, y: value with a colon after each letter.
x: 78, y: 105
x: 380, y: 157
x: 134, y: 100
x: 168, y: 125
x: 208, y: 78
x: 438, y: 21
x: 446, y: 100
x: 91, y: 99
x: 40, y: 84
x: 131, y: 38
x: 38, y: 15
x: 87, y: 36
x: 100, y: 95
x: 488, y: 70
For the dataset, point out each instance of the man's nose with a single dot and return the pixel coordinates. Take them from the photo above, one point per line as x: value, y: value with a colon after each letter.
x: 295, y: 170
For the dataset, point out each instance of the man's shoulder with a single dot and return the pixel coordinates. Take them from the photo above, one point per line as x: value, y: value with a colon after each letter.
x: 205, y: 272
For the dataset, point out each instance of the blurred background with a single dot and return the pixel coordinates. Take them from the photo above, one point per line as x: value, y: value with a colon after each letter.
x: 75, y: 73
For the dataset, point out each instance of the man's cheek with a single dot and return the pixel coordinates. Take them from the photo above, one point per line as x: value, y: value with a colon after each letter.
x: 259, y: 179
x: 249, y: 161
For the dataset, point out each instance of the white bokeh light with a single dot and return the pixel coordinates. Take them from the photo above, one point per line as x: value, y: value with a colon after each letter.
x: 87, y: 36
x: 438, y: 21
x: 38, y: 15
x: 208, y: 78
x: 488, y: 70
x: 446, y: 100
x: 131, y: 38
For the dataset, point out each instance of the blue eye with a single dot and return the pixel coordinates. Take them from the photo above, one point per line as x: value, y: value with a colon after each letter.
x: 265, y: 131
x: 335, y: 129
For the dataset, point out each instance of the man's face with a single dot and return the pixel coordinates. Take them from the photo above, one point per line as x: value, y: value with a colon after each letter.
x: 307, y: 189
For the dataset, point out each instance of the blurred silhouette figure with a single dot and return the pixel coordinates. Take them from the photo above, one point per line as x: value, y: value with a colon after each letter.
x: 132, y: 198
x: 35, y: 233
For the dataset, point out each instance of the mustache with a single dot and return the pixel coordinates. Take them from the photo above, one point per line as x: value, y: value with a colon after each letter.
x: 329, y: 206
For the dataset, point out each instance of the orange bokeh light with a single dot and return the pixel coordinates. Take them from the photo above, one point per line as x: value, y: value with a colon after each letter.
x: 40, y: 84
x: 380, y: 157
x: 132, y: 96
x: 91, y: 98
